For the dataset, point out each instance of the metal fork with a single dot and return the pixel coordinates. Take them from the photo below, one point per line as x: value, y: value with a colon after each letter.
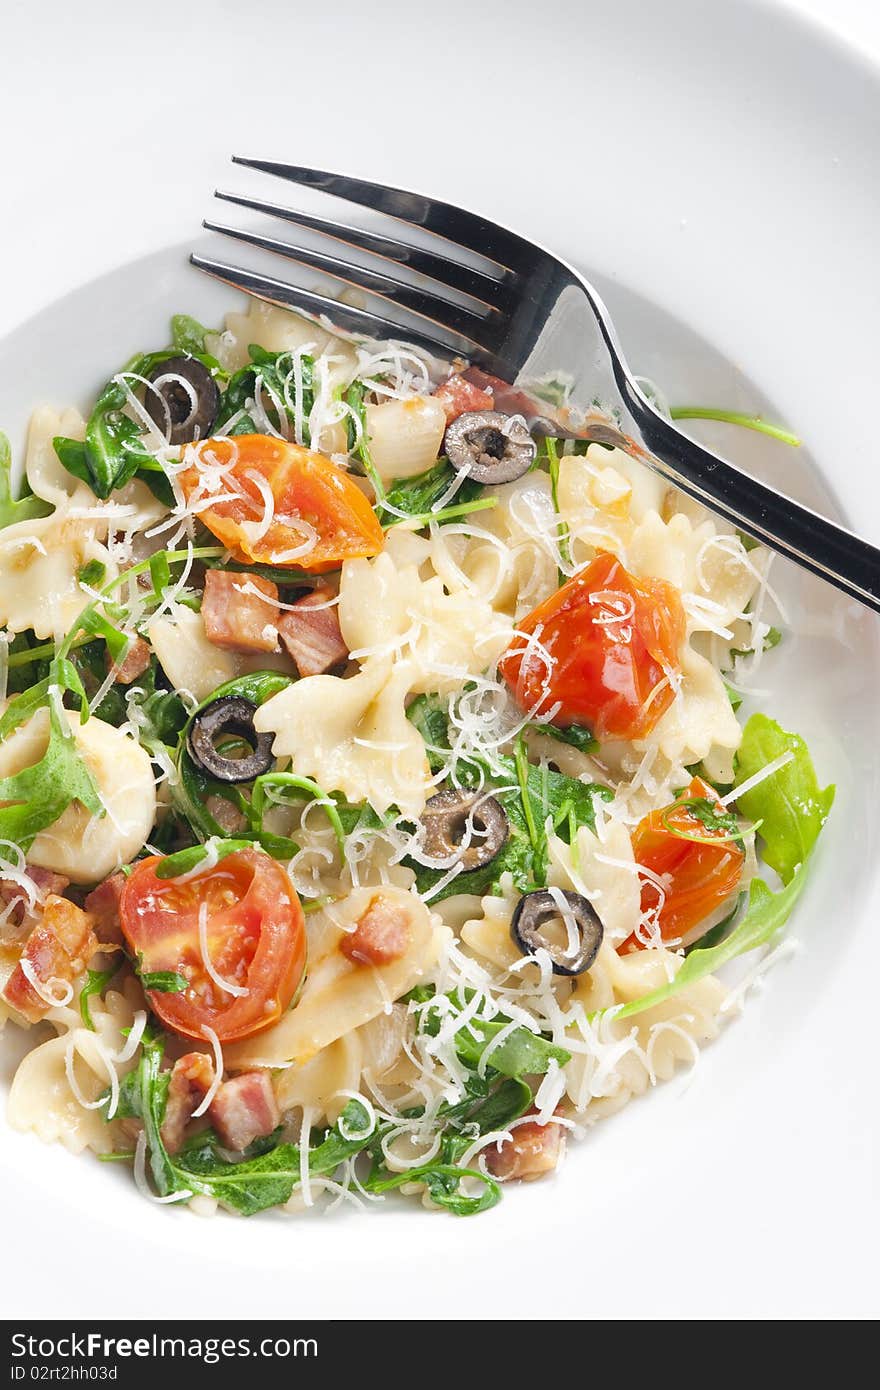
x: 534, y: 322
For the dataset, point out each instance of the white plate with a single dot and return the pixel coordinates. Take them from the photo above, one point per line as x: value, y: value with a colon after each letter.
x: 720, y: 176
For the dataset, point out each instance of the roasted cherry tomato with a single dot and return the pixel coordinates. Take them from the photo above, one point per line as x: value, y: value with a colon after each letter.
x: 699, y: 872
x: 319, y: 516
x: 256, y: 942
x: 605, y: 647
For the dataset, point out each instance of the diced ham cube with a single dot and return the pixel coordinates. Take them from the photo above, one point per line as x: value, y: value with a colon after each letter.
x: 14, y: 901
x: 381, y: 935
x: 237, y: 618
x: 531, y: 1151
x: 135, y: 662
x: 244, y: 1109
x: 191, y: 1079
x: 103, y: 904
x: 310, y: 632
x: 58, y: 950
x: 458, y: 396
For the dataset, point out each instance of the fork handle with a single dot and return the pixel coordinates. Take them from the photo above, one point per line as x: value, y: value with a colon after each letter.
x: 847, y: 561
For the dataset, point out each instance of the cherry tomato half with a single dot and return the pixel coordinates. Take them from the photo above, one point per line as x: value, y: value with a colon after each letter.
x: 305, y: 486
x: 605, y: 645
x: 698, y: 874
x: 255, y: 934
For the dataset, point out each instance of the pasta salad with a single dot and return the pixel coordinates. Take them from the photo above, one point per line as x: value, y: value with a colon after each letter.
x: 375, y: 813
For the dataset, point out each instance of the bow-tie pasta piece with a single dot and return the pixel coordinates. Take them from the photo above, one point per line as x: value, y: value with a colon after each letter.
x: 347, y: 987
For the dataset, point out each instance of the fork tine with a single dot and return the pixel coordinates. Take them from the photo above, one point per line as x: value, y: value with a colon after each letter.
x: 439, y: 310
x: 443, y: 219
x: 344, y: 316
x: 452, y: 274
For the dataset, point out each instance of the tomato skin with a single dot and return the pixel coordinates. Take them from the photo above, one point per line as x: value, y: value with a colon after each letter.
x: 305, y: 485
x: 607, y: 661
x: 698, y: 877
x: 256, y: 939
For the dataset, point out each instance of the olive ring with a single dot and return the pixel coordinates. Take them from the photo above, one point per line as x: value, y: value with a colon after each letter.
x: 489, y: 447
x: 535, y: 910
x: 457, y: 814
x: 231, y: 716
x: 182, y: 399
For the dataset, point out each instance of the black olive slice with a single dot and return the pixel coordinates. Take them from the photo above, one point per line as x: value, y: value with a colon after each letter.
x: 229, y: 717
x: 533, y: 916
x: 445, y: 821
x: 184, y: 399
x: 494, y: 448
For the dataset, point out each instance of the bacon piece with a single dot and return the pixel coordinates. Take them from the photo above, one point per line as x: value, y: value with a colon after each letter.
x: 458, y: 396
x: 135, y: 662
x: 227, y: 816
x: 191, y: 1079
x: 381, y: 935
x: 59, y: 948
x: 312, y: 635
x: 244, y: 1109
x: 510, y: 400
x: 237, y: 619
x: 103, y: 904
x: 531, y: 1151
x: 13, y: 896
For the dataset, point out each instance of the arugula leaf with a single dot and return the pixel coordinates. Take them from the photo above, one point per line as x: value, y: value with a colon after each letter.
x: 790, y: 805
x: 715, y: 818
x: 19, y: 710
x: 417, y: 496
x: 734, y: 417
x: 194, y: 787
x: 29, y: 662
x: 563, y: 537
x: 257, y: 687
x: 113, y: 451
x: 303, y: 788
x: 165, y: 981
x: 772, y: 638
x: 584, y: 740
x: 517, y: 857
x: 191, y: 793
x: 766, y: 914
x: 717, y: 933
x: 793, y: 811
x: 94, y: 573
x: 269, y: 1171
x: 248, y: 1186
x: 35, y: 797
x: 541, y: 794
x: 359, y: 815
x: 359, y: 439
x: 28, y: 506
x: 522, y: 1053
x: 96, y: 982
x: 173, y: 865
x: 430, y: 715
x: 73, y: 458
x: 187, y: 334
x: 506, y: 1103
x: 748, y: 542
x: 268, y: 371
x: 443, y: 1181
